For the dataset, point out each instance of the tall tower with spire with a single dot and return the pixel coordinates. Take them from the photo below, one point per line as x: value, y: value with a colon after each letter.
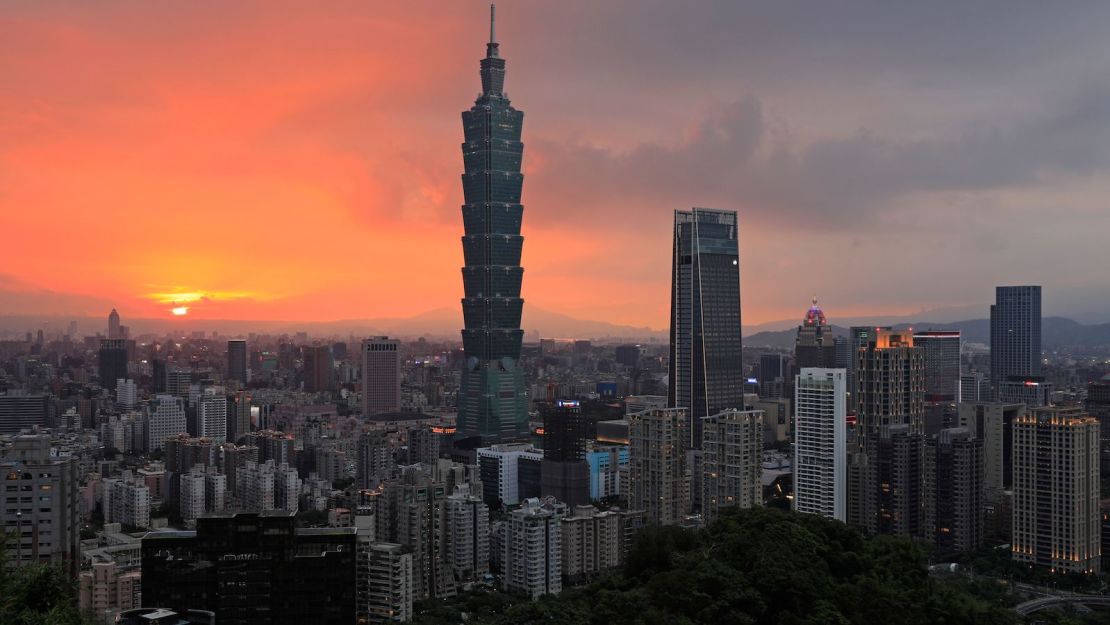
x: 492, y: 401
x: 814, y: 347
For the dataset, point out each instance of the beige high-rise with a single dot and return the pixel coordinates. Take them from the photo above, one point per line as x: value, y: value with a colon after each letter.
x: 1056, y: 521
x: 658, y: 478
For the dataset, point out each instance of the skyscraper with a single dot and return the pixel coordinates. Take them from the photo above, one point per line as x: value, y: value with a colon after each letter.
x: 858, y: 338
x: 112, y: 361
x: 731, y: 465
x: 1015, y: 334
x: 212, y: 414
x: 381, y: 376
x: 564, y: 472
x: 1056, y: 522
x: 820, y: 438
x: 114, y: 331
x: 813, y: 346
x: 954, y: 490
x: 237, y: 360
x: 492, y: 401
x: 942, y: 363
x: 706, y: 369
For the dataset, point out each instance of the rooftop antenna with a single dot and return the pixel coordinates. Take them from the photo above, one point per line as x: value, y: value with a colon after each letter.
x: 492, y: 16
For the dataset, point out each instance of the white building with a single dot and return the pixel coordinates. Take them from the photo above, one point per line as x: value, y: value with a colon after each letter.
x: 820, y: 439
x: 191, y: 494
x: 388, y: 587
x: 167, y: 417
x: 531, y: 558
x: 212, y: 414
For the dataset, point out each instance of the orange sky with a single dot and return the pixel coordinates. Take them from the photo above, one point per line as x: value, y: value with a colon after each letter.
x: 286, y: 161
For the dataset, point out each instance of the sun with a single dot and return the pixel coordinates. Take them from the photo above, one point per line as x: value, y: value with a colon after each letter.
x: 180, y: 311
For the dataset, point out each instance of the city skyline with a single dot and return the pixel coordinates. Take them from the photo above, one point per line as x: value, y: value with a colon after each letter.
x: 248, y: 165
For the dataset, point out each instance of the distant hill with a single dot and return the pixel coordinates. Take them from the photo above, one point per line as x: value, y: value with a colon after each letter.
x: 1056, y: 332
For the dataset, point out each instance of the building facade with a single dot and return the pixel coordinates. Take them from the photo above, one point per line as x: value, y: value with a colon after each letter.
x: 1015, y: 334
x: 381, y: 375
x: 706, y: 368
x: 820, y: 443
x: 731, y: 462
x: 658, y: 477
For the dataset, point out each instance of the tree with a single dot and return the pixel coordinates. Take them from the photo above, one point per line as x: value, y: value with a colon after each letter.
x: 37, y: 594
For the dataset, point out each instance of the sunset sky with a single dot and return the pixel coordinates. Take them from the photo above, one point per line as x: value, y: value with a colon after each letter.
x: 301, y: 160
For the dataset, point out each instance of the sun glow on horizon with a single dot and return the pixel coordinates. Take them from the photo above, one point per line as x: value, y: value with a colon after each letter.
x: 180, y: 311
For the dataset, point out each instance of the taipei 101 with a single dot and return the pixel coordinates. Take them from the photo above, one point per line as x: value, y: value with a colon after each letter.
x: 764, y: 314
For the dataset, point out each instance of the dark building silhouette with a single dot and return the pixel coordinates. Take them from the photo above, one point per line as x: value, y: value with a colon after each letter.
x: 1015, y: 334
x: 627, y: 355
x: 564, y: 472
x: 317, y: 368
x: 158, y: 375
x: 706, y: 368
x: 814, y: 347
x: 253, y: 569
x: 237, y: 360
x: 954, y: 497
x: 112, y: 362
x: 492, y: 401
x: 774, y: 376
x: 942, y: 363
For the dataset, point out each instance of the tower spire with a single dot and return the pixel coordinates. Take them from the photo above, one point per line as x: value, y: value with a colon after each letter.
x: 491, y: 47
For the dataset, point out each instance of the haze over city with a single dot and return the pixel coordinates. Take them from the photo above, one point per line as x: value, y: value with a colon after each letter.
x: 273, y: 161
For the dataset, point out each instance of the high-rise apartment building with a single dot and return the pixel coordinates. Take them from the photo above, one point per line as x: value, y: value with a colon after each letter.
x: 858, y: 338
x: 374, y: 460
x: 531, y: 544
x: 820, y: 443
x: 212, y: 414
x: 127, y: 394
x: 706, y: 368
x: 886, y: 480
x: 237, y: 361
x: 592, y: 543
x: 500, y: 469
x: 813, y: 345
x: 942, y: 363
x: 974, y: 387
x: 731, y: 462
x: 43, y: 514
x: 468, y: 535
x: 381, y: 376
x: 1056, y: 520
x: 657, y: 470
x: 1015, y: 334
x: 388, y: 582
x: 492, y: 401
x: 126, y: 500
x: 954, y: 490
x: 238, y: 415
x: 413, y: 513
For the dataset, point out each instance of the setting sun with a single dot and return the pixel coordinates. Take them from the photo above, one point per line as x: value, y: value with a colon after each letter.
x: 180, y: 311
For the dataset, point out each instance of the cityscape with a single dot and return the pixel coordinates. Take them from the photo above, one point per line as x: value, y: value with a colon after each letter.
x: 215, y: 447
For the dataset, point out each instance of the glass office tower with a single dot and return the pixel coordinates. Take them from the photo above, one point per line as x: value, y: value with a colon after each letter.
x: 492, y: 401
x: 706, y: 369
x: 1015, y: 334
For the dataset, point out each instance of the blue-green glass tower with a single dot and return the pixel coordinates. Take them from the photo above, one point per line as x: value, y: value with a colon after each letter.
x: 492, y: 401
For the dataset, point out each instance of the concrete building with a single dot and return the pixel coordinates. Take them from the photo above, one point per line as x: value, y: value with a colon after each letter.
x: 468, y: 535
x: 191, y: 499
x: 105, y: 588
x: 1056, y: 520
x: 974, y: 387
x: 166, y: 418
x: 813, y: 345
x: 820, y: 443
x: 531, y: 545
x: 658, y: 474
x: 731, y: 462
x: 237, y: 361
x: 126, y: 500
x: 212, y: 414
x: 1098, y: 404
x: 375, y: 459
x: 389, y: 593
x: 317, y: 368
x: 608, y: 470
x: 381, y: 375
x: 591, y: 543
x: 1031, y: 391
x: 564, y: 472
x: 40, y: 504
x: 413, y: 512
